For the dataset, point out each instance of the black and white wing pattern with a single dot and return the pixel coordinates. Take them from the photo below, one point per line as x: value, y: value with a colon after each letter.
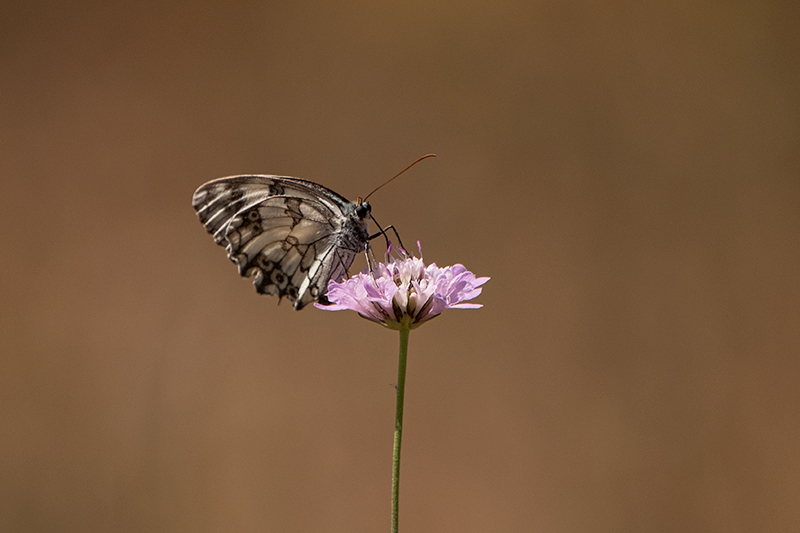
x: 292, y: 235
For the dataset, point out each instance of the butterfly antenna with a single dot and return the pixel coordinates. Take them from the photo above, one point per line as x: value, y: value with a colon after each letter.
x: 409, y: 166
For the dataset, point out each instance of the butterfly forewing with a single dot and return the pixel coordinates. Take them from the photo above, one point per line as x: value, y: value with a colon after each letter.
x: 291, y: 235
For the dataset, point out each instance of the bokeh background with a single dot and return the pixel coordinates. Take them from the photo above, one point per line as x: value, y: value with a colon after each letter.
x: 627, y: 173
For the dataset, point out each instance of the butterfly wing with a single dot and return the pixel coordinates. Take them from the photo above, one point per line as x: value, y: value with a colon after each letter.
x: 292, y: 235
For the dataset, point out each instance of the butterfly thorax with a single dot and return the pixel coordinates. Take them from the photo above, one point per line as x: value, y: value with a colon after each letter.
x: 354, y: 233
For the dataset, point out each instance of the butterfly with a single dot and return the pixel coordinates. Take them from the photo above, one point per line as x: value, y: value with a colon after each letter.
x: 292, y: 235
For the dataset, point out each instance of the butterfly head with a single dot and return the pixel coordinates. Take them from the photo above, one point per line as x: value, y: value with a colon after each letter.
x: 363, y: 209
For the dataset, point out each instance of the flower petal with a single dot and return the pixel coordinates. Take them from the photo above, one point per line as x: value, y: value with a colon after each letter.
x: 404, y: 293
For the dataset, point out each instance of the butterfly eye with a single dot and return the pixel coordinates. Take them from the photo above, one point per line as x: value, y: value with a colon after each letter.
x: 363, y: 209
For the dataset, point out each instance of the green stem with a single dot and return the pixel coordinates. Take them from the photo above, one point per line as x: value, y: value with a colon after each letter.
x: 398, y: 427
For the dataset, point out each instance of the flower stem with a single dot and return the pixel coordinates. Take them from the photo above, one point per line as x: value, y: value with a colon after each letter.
x: 398, y: 427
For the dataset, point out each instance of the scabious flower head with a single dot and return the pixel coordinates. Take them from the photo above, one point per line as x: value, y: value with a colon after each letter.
x: 403, y: 293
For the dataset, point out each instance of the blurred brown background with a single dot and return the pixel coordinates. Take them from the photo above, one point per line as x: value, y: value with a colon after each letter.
x: 627, y: 174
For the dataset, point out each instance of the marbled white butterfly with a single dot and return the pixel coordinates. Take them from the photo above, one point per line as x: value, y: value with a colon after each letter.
x: 293, y: 235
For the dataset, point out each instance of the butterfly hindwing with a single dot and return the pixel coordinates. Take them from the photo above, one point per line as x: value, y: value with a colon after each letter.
x: 291, y: 235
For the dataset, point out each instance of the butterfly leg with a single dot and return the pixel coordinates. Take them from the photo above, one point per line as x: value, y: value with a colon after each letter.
x: 401, y: 246
x: 370, y: 256
x: 383, y: 232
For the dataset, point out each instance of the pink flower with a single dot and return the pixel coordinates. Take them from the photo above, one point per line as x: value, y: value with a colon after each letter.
x: 404, y: 293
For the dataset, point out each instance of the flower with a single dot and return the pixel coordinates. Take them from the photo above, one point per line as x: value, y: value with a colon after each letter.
x: 404, y: 293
